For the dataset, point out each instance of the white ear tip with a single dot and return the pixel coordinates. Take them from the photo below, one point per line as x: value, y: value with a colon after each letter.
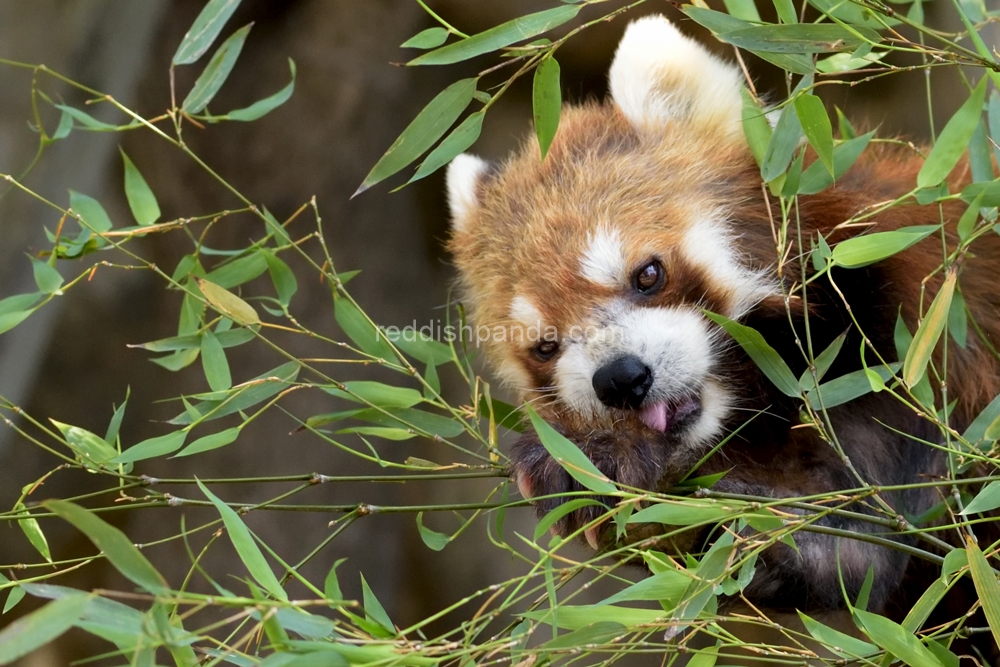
x: 464, y: 174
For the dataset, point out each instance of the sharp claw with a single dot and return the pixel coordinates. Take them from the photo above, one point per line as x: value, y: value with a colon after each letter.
x: 591, y: 535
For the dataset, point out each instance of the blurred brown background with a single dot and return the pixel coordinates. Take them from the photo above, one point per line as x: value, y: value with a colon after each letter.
x: 70, y: 361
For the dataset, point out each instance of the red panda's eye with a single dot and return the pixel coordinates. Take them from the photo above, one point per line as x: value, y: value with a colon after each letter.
x: 649, y: 278
x: 546, y: 349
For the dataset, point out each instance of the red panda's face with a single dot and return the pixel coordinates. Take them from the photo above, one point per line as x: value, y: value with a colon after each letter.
x: 586, y: 273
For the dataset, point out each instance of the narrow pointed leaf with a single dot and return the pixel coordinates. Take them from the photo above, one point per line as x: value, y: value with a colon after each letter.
x: 816, y: 177
x: 47, y: 278
x: 987, y: 587
x: 247, y: 549
x: 141, y: 199
x: 426, y: 39
x: 460, y: 139
x: 895, y: 639
x: 800, y: 38
x: 40, y: 627
x: 546, y: 101
x: 152, y: 447
x: 768, y: 361
x: 216, y: 72
x: 204, y: 30
x: 784, y: 141
x: 986, y: 500
x: 228, y: 304
x: 265, y: 106
x: 841, y: 643
x: 214, y: 364
x: 569, y: 456
x: 210, y: 442
x: 954, y: 138
x: 33, y: 531
x: 373, y: 608
x: 927, y: 335
x: 498, y: 37
x: 90, y: 210
x: 115, y: 545
x: 863, y: 250
x: 817, y: 127
x: 429, y: 125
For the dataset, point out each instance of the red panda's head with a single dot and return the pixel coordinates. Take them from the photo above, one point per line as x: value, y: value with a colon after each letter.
x: 586, y: 273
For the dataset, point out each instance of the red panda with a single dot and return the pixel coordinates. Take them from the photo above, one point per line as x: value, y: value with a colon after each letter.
x: 648, y: 210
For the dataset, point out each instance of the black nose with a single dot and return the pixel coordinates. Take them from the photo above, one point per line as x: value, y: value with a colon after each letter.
x: 623, y: 383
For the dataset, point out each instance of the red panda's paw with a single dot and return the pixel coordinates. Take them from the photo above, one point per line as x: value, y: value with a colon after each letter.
x: 632, y: 458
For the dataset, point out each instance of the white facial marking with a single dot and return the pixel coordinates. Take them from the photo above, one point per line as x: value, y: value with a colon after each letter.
x: 464, y: 174
x: 524, y: 312
x: 603, y: 261
x: 709, y: 244
x: 660, y: 76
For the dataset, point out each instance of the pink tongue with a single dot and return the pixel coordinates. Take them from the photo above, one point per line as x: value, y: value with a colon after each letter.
x: 655, y: 416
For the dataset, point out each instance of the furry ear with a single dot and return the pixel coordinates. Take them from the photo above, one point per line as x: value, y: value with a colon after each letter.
x: 660, y: 76
x: 464, y: 176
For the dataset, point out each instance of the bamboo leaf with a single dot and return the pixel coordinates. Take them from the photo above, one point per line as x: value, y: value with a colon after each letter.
x: 429, y: 125
x: 33, y: 531
x: 204, y: 30
x: 214, y: 364
x: 768, y: 361
x: 90, y: 211
x: 283, y: 278
x: 374, y: 610
x: 569, y: 456
x: 800, y: 38
x: 460, y: 139
x: 152, y: 447
x: 953, y: 139
x: 839, y: 642
x: 426, y: 39
x: 216, y: 72
x: 209, y: 442
x: 927, y: 335
x: 265, y: 106
x: 863, y: 250
x: 376, y: 393
x: 817, y: 127
x: 895, y: 639
x: 784, y: 141
x: 546, y: 101
x: 228, y: 304
x: 115, y: 545
x: 141, y: 200
x: 245, y: 546
x: 986, y: 500
x: 498, y: 37
x: 40, y: 627
x: 688, y: 513
x: 47, y: 278
x: 987, y: 587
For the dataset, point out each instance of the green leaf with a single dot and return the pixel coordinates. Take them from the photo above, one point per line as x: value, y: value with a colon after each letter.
x: 240, y: 270
x: 90, y: 211
x: 86, y: 119
x: 993, y: 121
x: 88, y: 447
x: 684, y: 513
x: 373, y: 608
x: 231, y: 338
x: 331, y: 585
x: 968, y: 220
x: 434, y: 540
x: 214, y: 364
x: 248, y: 394
x: 987, y: 587
x: 429, y: 125
x: 141, y: 199
x: 16, y: 309
x: 822, y: 363
x: 927, y: 335
x: 31, y: 529
x: 16, y: 595
x: 460, y: 139
x: 115, y: 545
x: 284, y: 280
x: 209, y: 442
x: 839, y: 63
x: 64, y: 127
x: 245, y: 546
x: 228, y: 304
x: 360, y: 329
x: 980, y: 162
x: 800, y: 38
x: 573, y: 617
x: 784, y: 141
x: 953, y: 139
x: 743, y: 9
x: 498, y: 37
x: 847, y: 387
x: 116, y: 420
x: 851, y: 13
x: 265, y: 106
x: 786, y: 11
x: 420, y: 345
x: 767, y: 360
x: 666, y: 586
x: 559, y: 512
x: 46, y: 277
x: 376, y: 393
x: 386, y: 432
x: 895, y: 639
x: 546, y: 102
x: 152, y: 447
x: 958, y: 321
x: 40, y: 627
x: 986, y: 500
x: 863, y: 250
x: 817, y: 127
x: 569, y: 456
x: 216, y: 72
x: 426, y: 39
x: 755, y: 127
x: 840, y: 643
x: 204, y: 30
